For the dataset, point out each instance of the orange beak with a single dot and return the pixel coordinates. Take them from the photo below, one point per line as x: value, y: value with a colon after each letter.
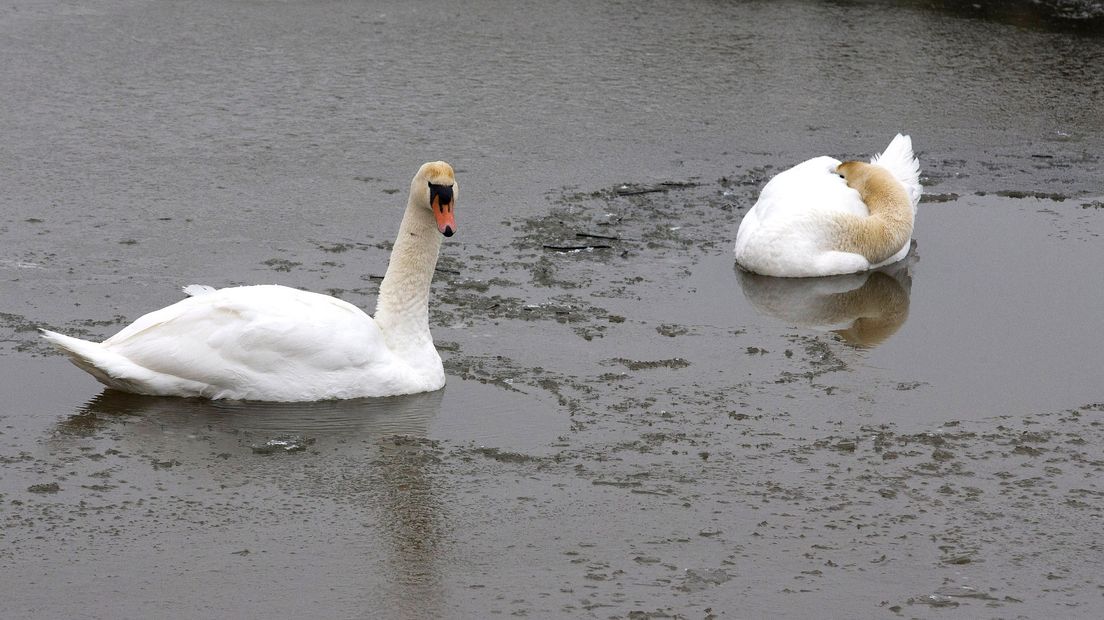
x: 446, y: 222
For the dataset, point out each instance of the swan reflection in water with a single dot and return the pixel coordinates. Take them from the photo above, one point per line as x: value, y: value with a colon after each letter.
x: 359, y: 418
x: 865, y: 309
x: 369, y: 457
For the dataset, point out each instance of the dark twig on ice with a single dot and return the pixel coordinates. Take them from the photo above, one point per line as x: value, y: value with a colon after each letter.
x: 569, y: 248
x: 638, y: 191
x: 595, y: 236
x: 662, y: 187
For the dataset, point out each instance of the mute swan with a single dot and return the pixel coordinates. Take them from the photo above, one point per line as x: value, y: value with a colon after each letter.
x: 823, y: 217
x: 275, y: 343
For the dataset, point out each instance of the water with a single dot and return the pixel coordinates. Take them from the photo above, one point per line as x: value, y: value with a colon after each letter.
x: 635, y: 428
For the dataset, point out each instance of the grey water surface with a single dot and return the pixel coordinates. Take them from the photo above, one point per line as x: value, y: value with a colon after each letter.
x: 632, y: 427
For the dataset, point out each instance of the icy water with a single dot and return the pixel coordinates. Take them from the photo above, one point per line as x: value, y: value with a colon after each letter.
x: 632, y: 427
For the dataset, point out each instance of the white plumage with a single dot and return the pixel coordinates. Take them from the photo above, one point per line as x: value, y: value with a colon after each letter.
x: 276, y: 343
x: 795, y: 229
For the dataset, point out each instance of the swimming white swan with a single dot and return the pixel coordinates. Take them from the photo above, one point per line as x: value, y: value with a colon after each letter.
x: 281, y: 344
x: 823, y: 217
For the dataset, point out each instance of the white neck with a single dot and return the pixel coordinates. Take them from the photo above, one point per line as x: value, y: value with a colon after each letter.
x: 402, y: 310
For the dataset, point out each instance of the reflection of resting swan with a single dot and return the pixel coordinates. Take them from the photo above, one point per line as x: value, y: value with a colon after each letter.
x: 823, y: 217
x: 280, y: 344
x: 863, y: 308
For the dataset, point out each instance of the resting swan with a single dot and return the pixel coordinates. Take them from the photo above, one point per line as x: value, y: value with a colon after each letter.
x: 823, y: 217
x: 276, y: 343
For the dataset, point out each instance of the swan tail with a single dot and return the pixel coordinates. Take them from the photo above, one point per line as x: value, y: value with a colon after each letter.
x: 899, y: 160
x: 195, y: 290
x: 109, y: 368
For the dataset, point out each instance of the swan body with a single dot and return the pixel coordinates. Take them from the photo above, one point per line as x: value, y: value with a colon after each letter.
x: 825, y: 217
x: 276, y: 343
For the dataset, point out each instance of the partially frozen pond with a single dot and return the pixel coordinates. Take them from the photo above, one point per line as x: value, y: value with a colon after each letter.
x: 632, y: 427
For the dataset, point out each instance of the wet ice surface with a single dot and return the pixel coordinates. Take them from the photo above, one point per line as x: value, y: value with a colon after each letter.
x: 632, y: 427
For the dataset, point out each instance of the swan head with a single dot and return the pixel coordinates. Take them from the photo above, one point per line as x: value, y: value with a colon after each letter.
x: 854, y: 172
x: 434, y: 188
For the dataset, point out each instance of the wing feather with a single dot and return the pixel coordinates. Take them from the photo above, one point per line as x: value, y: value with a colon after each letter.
x: 248, y: 335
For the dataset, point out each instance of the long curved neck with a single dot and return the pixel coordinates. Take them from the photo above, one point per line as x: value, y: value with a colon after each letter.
x: 402, y: 309
x: 889, y: 226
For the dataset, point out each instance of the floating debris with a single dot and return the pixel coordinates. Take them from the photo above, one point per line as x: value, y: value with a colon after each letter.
x: 597, y: 236
x: 576, y: 248
x: 288, y: 443
x: 700, y: 579
x: 964, y: 592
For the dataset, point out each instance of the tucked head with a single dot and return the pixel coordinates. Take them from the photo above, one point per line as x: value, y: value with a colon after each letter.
x: 874, y: 183
x: 854, y: 172
x: 435, y: 187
